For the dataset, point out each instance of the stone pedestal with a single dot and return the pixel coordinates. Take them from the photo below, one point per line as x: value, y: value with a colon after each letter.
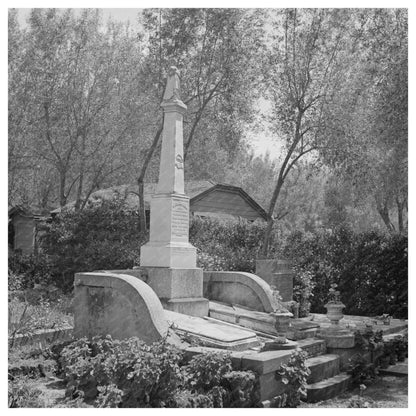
x: 277, y: 273
x: 179, y: 290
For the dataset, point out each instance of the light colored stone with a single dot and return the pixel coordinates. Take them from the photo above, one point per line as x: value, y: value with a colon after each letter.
x: 171, y: 283
x: 168, y: 244
x: 118, y: 305
x: 277, y: 273
x: 212, y: 334
x: 190, y: 306
x: 239, y: 288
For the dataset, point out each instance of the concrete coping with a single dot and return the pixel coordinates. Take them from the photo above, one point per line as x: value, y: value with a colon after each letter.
x: 254, y: 282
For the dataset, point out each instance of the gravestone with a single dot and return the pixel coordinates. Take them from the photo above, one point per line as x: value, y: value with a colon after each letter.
x: 168, y: 257
x: 277, y: 273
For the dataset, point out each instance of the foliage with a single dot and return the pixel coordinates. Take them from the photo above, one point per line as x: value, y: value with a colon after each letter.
x: 24, y: 393
x: 368, y: 340
x: 362, y: 371
x: 26, y: 270
x: 394, y: 350
x: 26, y: 318
x: 294, y: 375
x: 130, y: 373
x: 303, y: 285
x: 102, y: 236
x: 226, y: 244
x: 333, y: 294
x: 370, y: 269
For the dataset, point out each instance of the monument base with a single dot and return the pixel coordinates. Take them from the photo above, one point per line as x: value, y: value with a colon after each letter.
x: 188, y: 306
x: 175, y: 255
x: 179, y: 289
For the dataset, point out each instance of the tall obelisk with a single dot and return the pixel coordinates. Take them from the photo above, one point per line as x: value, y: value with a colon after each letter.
x: 168, y: 256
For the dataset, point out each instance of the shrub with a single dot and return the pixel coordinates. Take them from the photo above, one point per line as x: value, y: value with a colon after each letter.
x: 130, y: 373
x: 369, y: 268
x: 227, y: 244
x: 294, y: 375
x: 362, y: 371
x: 26, y: 270
x: 104, y: 235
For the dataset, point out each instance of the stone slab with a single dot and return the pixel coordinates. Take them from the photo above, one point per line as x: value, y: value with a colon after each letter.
x: 338, y: 340
x: 322, y: 367
x: 172, y: 283
x: 328, y: 388
x: 313, y: 346
x: 397, y: 370
x: 168, y: 254
x: 257, y: 321
x: 212, y: 333
x: 197, y: 307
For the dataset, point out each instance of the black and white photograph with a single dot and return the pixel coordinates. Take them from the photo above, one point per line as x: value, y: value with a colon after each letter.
x: 207, y: 206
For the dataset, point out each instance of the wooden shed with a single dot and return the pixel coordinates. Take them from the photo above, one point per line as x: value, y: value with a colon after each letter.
x: 207, y: 199
x: 23, y: 228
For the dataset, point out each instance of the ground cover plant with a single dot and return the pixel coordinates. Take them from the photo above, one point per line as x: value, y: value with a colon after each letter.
x: 129, y: 373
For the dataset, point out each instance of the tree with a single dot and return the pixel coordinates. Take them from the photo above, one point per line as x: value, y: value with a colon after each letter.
x: 209, y: 46
x: 304, y: 68
x: 80, y: 114
x: 371, y: 147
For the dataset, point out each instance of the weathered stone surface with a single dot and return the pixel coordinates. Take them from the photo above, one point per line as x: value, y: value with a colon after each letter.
x: 322, y: 367
x: 277, y: 273
x: 212, y: 334
x: 338, y: 338
x: 172, y: 283
x: 238, y: 288
x: 257, y: 321
x: 328, y: 388
x: 168, y: 244
x: 119, y: 305
x: 190, y: 306
x: 313, y: 346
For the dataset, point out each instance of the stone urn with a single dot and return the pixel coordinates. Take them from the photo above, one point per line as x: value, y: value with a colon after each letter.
x: 334, y: 311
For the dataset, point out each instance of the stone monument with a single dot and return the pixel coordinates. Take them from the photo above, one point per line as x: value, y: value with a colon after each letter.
x: 168, y: 257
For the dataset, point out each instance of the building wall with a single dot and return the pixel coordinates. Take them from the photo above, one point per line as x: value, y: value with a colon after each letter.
x: 227, y: 203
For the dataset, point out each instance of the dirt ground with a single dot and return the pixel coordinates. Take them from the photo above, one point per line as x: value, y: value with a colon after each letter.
x: 386, y: 392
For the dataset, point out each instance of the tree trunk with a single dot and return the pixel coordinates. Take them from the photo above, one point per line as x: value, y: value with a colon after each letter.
x: 81, y: 175
x: 140, y: 179
x: 383, y: 210
x: 62, y: 183
x: 266, y: 240
x: 400, y: 207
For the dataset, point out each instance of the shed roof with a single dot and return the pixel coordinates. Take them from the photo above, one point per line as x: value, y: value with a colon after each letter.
x: 196, y: 190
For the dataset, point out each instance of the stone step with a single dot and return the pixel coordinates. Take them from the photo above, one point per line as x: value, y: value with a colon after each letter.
x: 328, y: 388
x: 313, y: 346
x: 322, y: 367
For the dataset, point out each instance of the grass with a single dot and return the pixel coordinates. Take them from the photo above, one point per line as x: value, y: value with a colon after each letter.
x: 24, y: 317
x: 385, y: 392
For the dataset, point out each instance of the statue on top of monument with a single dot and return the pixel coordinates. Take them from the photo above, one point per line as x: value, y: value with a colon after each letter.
x: 172, y: 91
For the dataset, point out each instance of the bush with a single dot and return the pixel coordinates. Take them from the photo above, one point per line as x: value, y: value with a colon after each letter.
x: 294, y: 375
x: 26, y: 270
x: 227, y: 244
x: 102, y: 236
x: 370, y: 269
x: 130, y: 373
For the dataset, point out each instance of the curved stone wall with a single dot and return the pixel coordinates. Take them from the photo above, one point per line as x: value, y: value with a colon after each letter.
x: 240, y: 288
x: 118, y: 305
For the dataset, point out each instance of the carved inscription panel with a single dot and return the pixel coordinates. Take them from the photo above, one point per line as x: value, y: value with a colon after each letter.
x: 180, y: 218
